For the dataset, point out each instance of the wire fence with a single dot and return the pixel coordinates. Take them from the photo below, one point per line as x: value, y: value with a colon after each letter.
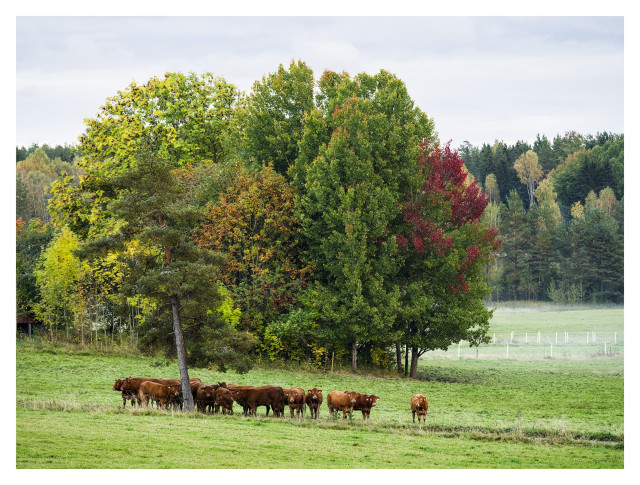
x: 539, y: 345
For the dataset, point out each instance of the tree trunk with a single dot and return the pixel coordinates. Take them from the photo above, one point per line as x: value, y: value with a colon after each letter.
x: 354, y: 356
x: 406, y: 360
x: 187, y: 397
x: 414, y: 363
x: 66, y: 324
x: 399, y: 358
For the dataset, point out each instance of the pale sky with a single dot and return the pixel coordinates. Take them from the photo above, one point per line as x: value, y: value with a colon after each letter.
x: 480, y: 78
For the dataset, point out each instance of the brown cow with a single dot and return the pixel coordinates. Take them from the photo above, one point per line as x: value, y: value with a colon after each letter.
x: 162, y: 393
x: 224, y: 400
x: 133, y: 384
x: 314, y: 399
x: 420, y: 406
x: 126, y: 395
x: 364, y: 403
x: 239, y: 397
x: 295, y: 398
x: 341, y: 401
x: 205, y: 397
x: 270, y: 396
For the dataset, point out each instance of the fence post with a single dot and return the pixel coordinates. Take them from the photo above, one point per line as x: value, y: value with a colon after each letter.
x: 494, y: 338
x: 605, y: 348
x: 507, y: 350
x: 587, y: 337
x: 556, y: 338
x: 615, y: 338
x: 526, y: 337
x: 538, y: 336
x: 551, y: 350
x: 511, y: 336
x: 458, y: 349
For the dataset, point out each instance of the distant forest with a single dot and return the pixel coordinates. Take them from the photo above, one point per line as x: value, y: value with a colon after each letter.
x: 566, y: 243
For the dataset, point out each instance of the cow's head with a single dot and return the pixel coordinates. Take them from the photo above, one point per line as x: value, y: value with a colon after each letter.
x: 126, y: 384
x: 222, y: 384
x: 373, y: 399
x: 209, y: 391
x: 118, y: 385
x: 315, y: 393
x: 175, y: 390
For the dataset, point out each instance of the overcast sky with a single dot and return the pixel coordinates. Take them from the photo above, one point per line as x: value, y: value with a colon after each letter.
x: 480, y: 78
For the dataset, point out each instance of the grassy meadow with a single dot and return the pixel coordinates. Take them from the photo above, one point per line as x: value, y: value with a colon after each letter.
x: 571, y: 415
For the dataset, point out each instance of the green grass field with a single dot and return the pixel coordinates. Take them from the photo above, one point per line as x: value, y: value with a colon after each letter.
x: 571, y: 416
x: 543, y: 331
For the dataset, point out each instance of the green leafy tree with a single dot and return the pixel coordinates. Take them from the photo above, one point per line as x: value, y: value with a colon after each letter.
x: 37, y: 172
x: 22, y: 201
x: 185, y: 116
x: 57, y: 274
x: 345, y: 211
x: 31, y: 240
x: 274, y: 116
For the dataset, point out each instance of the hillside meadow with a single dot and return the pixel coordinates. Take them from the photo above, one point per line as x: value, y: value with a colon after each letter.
x: 571, y: 415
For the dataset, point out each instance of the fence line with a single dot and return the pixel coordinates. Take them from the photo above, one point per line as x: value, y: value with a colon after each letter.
x: 574, y: 345
x: 590, y: 337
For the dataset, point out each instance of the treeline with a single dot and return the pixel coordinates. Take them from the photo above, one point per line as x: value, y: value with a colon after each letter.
x: 36, y: 169
x: 65, y: 152
x: 560, y: 209
x: 309, y: 220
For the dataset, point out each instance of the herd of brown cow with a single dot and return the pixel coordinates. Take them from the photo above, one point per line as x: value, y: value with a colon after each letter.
x: 219, y: 397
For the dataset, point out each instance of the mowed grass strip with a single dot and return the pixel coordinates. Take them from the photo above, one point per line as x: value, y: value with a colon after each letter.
x: 57, y: 439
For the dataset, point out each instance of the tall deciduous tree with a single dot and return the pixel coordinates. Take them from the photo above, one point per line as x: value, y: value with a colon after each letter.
x: 445, y: 249
x: 274, y: 117
x: 186, y: 116
x: 529, y: 172
x: 57, y: 274
x: 367, y: 130
x: 254, y: 224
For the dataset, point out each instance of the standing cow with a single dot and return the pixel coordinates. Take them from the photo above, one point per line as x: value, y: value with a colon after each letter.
x: 126, y: 395
x: 163, y: 394
x: 341, y: 401
x: 251, y: 398
x: 224, y: 400
x: 419, y: 405
x: 314, y: 399
x: 295, y: 398
x: 205, y: 397
x: 364, y: 403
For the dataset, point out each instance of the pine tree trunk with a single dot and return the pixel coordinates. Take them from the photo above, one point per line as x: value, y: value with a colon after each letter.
x: 187, y: 397
x: 399, y: 358
x: 354, y: 356
x: 414, y: 363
